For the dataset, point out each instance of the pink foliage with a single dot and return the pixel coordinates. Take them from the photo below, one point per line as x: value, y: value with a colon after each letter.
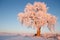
x: 36, y: 15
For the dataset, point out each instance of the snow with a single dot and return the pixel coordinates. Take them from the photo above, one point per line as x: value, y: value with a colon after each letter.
x: 19, y: 37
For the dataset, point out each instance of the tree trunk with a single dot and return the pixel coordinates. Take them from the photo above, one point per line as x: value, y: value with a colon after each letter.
x: 38, y: 32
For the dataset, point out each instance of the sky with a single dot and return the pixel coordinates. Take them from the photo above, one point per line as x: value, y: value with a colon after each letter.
x: 9, y: 10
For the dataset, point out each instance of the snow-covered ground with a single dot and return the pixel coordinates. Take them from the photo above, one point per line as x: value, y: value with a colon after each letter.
x: 19, y: 37
x: 26, y: 37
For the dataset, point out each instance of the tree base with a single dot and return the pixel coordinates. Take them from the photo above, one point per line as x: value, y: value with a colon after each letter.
x: 37, y: 35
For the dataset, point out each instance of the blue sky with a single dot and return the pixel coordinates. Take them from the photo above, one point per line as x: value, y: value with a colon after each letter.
x: 9, y: 10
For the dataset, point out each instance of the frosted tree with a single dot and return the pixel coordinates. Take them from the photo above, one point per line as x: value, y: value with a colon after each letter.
x: 35, y: 15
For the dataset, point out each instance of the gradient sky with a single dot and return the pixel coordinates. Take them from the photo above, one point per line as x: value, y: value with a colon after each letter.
x: 9, y: 10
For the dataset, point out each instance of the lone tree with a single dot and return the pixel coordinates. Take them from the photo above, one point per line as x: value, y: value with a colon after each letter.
x: 36, y: 15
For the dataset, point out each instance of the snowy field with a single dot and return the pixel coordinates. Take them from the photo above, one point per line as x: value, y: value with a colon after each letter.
x: 19, y: 37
